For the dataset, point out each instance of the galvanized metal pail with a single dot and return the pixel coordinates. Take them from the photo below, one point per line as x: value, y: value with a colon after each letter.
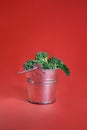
x: 41, y: 85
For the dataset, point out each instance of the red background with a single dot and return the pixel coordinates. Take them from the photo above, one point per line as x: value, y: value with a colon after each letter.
x: 60, y: 28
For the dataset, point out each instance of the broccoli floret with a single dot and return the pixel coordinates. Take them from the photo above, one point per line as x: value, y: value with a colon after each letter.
x: 45, y: 65
x: 42, y: 56
x: 59, y: 64
x: 30, y: 64
x: 54, y: 60
x: 51, y: 66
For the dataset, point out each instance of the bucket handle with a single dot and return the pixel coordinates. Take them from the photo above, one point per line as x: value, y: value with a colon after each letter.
x: 36, y: 66
x: 25, y: 71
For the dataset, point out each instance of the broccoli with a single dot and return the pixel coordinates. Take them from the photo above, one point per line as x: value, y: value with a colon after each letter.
x: 42, y: 56
x: 30, y: 64
x: 59, y: 64
x: 46, y: 63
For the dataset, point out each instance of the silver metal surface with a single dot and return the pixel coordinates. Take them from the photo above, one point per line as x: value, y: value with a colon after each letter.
x: 41, y: 85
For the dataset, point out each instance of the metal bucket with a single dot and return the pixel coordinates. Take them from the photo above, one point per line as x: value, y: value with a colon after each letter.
x: 41, y: 85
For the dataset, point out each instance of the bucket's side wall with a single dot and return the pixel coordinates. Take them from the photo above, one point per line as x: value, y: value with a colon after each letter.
x: 42, y: 75
x: 41, y: 92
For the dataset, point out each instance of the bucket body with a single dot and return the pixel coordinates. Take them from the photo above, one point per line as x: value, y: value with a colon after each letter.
x: 41, y: 85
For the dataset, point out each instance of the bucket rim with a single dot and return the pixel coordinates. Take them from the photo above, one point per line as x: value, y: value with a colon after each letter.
x: 36, y: 68
x: 50, y: 69
x: 44, y: 69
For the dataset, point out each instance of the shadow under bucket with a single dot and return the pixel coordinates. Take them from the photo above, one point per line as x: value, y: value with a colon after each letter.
x: 41, y: 85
